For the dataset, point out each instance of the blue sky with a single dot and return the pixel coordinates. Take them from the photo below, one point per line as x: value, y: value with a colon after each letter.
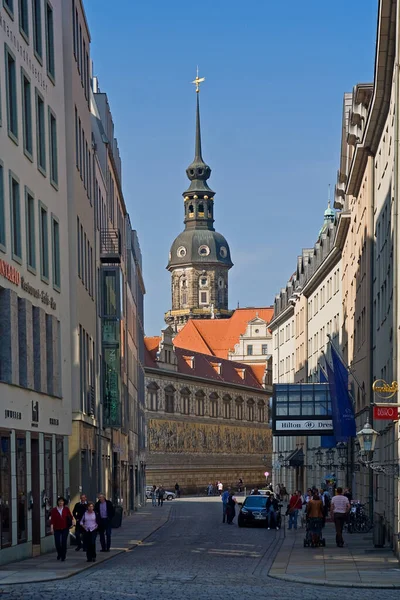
x: 271, y: 112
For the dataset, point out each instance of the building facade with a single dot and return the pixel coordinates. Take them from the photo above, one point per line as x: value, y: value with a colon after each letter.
x: 35, y: 363
x: 207, y: 419
x: 199, y: 259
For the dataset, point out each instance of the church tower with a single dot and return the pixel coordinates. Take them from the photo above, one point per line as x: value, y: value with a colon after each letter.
x: 200, y: 258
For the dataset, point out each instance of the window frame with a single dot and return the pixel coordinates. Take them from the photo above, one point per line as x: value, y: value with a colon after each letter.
x: 11, y: 87
x: 56, y: 254
x: 53, y: 160
x: 3, y: 234
x: 30, y: 195
x: 37, y: 31
x: 43, y: 276
x: 23, y: 9
x: 28, y: 152
x: 50, y: 50
x: 40, y: 135
x: 8, y: 8
x: 16, y: 257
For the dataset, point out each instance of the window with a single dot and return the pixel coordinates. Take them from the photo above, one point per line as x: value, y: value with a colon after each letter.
x: 53, y: 148
x: 2, y: 211
x: 15, y: 219
x: 169, y: 402
x: 185, y: 395
x: 48, y: 481
x: 264, y: 349
x: 30, y: 229
x: 24, y: 18
x: 261, y: 412
x: 239, y: 409
x: 20, y: 457
x: 200, y: 404
x: 51, y: 70
x: 78, y: 239
x: 40, y: 133
x: 213, y: 407
x: 27, y: 115
x: 249, y: 350
x: 11, y: 93
x: 250, y: 410
x: 37, y: 29
x: 227, y: 408
x: 76, y: 139
x: 5, y: 490
x: 44, y: 243
x: 55, y: 239
x: 203, y: 298
x: 9, y: 6
x: 60, y: 466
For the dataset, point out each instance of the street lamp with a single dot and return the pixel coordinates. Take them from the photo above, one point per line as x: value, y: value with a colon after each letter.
x: 330, y: 457
x: 342, y: 451
x: 367, y: 438
x: 281, y: 458
x: 318, y: 457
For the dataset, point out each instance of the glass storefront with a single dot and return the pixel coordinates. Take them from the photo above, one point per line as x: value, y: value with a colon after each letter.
x: 48, y: 481
x: 22, y: 500
x: 5, y: 490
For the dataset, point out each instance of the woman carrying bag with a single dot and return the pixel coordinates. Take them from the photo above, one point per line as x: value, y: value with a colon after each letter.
x: 61, y: 522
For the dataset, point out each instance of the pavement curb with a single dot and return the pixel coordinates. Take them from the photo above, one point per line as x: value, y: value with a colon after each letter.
x: 329, y: 583
x: 90, y: 565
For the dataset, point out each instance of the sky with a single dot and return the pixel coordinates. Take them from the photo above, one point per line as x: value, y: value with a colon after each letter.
x: 271, y: 110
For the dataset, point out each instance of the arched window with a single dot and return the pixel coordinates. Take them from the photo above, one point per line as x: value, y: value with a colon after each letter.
x: 250, y: 409
x: 200, y: 403
x: 152, y: 396
x: 213, y: 404
x: 201, y: 210
x: 261, y: 406
x: 191, y: 211
x: 185, y: 401
x: 239, y: 408
x: 183, y: 291
x: 169, y: 399
x: 227, y: 400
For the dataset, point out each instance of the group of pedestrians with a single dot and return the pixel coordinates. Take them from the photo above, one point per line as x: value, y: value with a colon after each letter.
x: 215, y: 489
x: 228, y: 506
x: 157, y: 495
x: 89, y: 518
x: 317, y: 505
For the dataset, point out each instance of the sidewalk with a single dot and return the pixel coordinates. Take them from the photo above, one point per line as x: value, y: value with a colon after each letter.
x: 135, y: 529
x: 358, y: 564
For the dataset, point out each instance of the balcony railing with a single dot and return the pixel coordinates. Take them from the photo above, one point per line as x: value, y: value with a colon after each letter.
x: 110, y: 246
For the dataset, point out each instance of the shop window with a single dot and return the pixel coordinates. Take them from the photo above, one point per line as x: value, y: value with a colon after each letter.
x: 21, y: 489
x: 48, y: 482
x: 5, y: 491
x: 60, y: 466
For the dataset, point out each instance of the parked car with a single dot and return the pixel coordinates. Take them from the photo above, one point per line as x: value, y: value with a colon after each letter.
x: 253, y: 512
x: 167, y: 495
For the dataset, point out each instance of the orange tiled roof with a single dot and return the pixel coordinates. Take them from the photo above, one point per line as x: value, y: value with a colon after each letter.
x: 151, y: 345
x: 259, y: 372
x: 217, y: 337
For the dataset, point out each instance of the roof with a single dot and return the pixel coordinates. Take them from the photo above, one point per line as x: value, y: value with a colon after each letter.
x: 151, y: 345
x: 206, y: 366
x: 259, y: 372
x: 218, y: 336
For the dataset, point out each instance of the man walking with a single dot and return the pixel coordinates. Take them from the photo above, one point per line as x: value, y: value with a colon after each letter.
x: 160, y: 495
x: 295, y: 505
x: 79, y: 510
x: 224, y: 499
x: 105, y: 512
x: 340, y: 506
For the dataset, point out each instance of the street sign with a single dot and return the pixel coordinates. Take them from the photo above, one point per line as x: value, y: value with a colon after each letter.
x: 386, y: 413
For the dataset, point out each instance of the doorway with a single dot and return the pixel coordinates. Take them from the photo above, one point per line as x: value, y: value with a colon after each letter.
x: 36, y: 500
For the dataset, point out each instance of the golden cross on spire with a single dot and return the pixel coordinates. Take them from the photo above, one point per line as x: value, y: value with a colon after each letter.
x: 198, y: 80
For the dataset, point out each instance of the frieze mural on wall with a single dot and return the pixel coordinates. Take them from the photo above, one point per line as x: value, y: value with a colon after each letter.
x: 173, y: 436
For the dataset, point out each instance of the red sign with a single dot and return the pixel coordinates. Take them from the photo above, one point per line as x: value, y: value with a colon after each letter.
x: 9, y: 272
x: 388, y: 413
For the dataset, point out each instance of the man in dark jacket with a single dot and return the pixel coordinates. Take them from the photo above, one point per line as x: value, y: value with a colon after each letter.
x: 79, y: 510
x: 105, y: 512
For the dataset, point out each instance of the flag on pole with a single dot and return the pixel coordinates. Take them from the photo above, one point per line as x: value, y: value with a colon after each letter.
x: 327, y: 441
x: 344, y: 424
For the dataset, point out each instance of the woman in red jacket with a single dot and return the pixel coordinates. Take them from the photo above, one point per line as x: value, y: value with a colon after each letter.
x: 61, y: 521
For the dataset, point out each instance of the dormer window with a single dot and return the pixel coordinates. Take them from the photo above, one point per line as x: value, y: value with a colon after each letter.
x: 204, y: 250
x: 203, y: 281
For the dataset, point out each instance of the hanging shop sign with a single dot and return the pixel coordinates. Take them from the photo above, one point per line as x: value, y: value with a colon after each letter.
x: 386, y: 413
x: 385, y: 390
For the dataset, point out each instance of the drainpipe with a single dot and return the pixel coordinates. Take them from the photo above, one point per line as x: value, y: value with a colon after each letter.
x: 371, y: 324
x: 395, y: 255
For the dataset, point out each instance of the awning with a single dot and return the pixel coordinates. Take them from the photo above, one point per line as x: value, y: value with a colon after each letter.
x: 296, y: 458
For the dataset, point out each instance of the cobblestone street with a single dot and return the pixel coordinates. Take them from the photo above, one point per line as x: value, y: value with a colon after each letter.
x: 193, y: 556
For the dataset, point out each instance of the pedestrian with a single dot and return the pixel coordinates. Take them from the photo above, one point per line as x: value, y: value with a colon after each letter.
x: 61, y: 522
x: 209, y: 489
x: 284, y: 494
x: 154, y: 496
x: 340, y: 507
x: 326, y: 501
x: 255, y: 492
x: 79, y: 510
x: 177, y: 490
x: 278, y: 490
x: 348, y: 494
x: 295, y: 504
x: 224, y: 499
x: 220, y: 488
x: 105, y: 512
x: 240, y: 485
x: 215, y: 488
x: 160, y: 495
x: 315, y: 517
x: 272, y: 507
x: 230, y: 508
x: 90, y: 525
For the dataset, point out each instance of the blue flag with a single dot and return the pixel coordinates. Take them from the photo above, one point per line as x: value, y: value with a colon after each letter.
x: 327, y: 441
x: 344, y: 424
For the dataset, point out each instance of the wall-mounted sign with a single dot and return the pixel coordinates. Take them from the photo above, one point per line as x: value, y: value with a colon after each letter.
x: 386, y: 413
x: 9, y: 272
x: 55, y: 422
x: 12, y: 414
x: 385, y: 390
x: 311, y: 426
x: 37, y: 293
